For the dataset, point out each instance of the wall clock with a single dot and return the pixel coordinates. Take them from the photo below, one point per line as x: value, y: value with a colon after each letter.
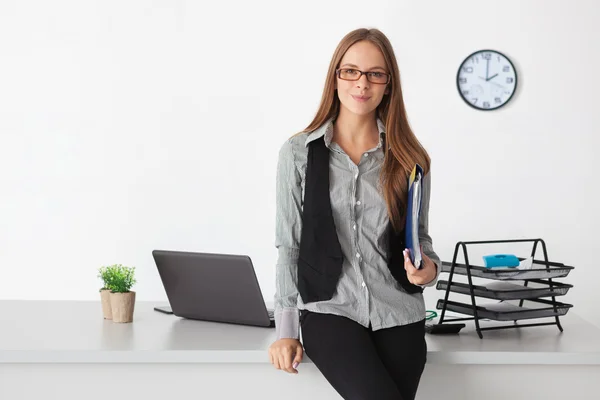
x: 486, y: 80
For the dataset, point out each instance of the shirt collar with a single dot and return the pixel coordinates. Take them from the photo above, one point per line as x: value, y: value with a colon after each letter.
x: 327, y: 130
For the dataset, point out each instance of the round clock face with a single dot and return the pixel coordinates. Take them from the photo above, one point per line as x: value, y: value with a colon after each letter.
x: 486, y: 80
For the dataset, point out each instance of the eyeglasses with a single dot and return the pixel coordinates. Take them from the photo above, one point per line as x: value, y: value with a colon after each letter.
x: 349, y: 74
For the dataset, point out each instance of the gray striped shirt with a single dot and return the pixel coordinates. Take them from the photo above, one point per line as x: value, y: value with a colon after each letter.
x: 366, y: 292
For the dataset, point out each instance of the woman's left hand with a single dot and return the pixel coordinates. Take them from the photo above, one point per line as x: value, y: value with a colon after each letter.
x: 423, y: 275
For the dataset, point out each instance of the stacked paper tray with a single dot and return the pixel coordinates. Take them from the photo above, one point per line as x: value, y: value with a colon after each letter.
x: 509, y: 291
x: 537, y: 271
x: 505, y: 311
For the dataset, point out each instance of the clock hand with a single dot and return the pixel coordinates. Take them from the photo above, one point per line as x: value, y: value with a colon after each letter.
x: 493, y: 83
x: 487, y: 68
x: 491, y: 77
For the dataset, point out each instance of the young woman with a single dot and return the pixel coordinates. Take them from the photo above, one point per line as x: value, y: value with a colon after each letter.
x: 343, y: 277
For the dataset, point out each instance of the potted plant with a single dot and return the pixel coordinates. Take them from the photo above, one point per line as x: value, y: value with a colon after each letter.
x: 122, y: 298
x: 105, y: 292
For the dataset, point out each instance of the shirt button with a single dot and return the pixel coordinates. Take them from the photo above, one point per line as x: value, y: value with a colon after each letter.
x: 356, y: 176
x: 363, y: 284
x: 354, y: 226
x: 366, y: 154
x: 357, y: 255
x: 358, y: 203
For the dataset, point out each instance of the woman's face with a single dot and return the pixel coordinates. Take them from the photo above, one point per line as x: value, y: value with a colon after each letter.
x: 362, y: 96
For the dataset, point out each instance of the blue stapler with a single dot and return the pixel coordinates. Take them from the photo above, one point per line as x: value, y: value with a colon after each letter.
x: 501, y: 260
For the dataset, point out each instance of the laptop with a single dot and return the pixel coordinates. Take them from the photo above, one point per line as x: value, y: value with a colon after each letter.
x: 212, y: 287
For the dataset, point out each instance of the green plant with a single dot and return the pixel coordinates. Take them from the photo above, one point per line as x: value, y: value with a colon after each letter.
x: 117, y: 278
x: 105, y: 277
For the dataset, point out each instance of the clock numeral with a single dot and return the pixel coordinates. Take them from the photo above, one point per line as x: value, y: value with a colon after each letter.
x: 509, y: 80
x: 506, y: 68
x: 486, y: 56
x: 498, y: 100
x: 465, y: 92
x: 468, y: 69
x: 486, y: 104
x: 475, y: 101
x: 462, y: 80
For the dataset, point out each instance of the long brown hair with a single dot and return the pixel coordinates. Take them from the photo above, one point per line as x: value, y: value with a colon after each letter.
x: 402, y: 150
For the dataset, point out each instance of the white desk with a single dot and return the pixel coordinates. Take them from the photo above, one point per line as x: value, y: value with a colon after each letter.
x: 64, y: 349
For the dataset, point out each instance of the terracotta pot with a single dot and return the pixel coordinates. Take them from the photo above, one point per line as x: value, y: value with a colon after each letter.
x: 106, y: 307
x: 122, y: 305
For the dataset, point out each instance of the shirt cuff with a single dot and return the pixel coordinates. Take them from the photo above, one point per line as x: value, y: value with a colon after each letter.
x: 438, y: 266
x: 287, y: 324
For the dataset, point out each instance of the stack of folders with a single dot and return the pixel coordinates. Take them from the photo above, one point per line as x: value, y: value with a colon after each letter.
x: 413, y: 211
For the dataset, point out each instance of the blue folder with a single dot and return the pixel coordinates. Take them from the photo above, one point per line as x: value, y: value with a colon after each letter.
x: 501, y: 260
x: 413, y: 212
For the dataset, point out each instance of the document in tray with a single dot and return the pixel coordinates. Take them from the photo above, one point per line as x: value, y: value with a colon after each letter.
x: 503, y: 286
x: 413, y: 212
x: 524, y: 265
x: 501, y: 307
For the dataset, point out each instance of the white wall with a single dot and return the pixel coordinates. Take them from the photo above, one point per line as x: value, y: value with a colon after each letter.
x: 127, y: 126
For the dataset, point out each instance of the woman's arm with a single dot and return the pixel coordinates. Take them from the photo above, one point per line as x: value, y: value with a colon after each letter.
x: 288, y: 229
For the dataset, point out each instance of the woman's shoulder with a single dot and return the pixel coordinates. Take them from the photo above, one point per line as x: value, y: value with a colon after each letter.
x: 295, y: 145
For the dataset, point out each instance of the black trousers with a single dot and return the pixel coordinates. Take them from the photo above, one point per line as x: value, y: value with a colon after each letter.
x: 362, y: 364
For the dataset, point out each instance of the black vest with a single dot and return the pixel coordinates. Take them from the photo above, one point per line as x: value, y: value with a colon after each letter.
x: 320, y: 259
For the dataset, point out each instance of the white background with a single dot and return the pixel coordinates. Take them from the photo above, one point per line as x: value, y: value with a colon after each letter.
x: 128, y: 126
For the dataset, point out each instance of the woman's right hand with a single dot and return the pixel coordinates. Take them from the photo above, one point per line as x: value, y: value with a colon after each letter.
x: 286, y: 354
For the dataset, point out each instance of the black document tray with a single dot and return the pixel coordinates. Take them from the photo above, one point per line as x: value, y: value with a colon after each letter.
x: 554, y: 270
x: 502, y: 290
x: 505, y: 311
